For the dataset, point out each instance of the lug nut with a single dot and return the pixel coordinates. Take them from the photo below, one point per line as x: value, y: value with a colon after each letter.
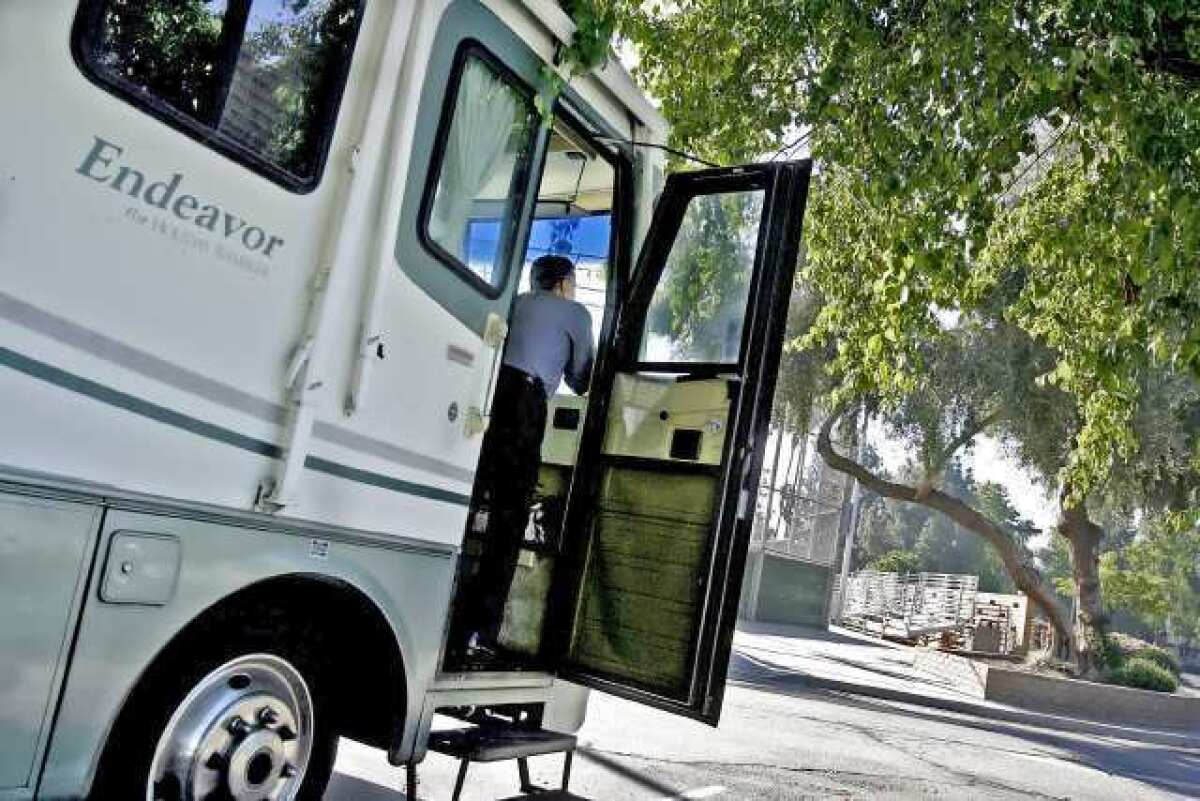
x: 288, y: 770
x: 238, y: 727
x: 268, y: 716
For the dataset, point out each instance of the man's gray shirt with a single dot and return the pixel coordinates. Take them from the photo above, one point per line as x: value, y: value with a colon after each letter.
x: 551, y: 338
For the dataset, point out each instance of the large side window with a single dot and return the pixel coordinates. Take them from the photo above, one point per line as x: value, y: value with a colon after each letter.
x: 259, y: 80
x: 479, y: 173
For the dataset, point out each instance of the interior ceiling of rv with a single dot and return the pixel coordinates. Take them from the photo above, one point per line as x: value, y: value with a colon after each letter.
x: 575, y: 175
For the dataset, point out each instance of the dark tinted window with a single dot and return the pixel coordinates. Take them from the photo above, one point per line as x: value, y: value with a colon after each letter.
x: 260, y: 79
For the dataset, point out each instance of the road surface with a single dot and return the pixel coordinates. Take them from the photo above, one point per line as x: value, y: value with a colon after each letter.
x: 780, y: 739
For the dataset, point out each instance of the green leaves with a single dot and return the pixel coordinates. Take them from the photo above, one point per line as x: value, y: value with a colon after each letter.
x: 1157, y: 577
x: 1032, y: 164
x: 595, y: 24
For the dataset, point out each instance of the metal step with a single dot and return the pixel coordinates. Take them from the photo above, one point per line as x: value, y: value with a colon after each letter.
x: 498, y: 742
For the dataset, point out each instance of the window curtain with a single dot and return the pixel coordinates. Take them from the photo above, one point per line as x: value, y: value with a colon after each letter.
x: 484, y: 115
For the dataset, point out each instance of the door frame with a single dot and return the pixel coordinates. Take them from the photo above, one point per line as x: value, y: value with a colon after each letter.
x: 786, y: 185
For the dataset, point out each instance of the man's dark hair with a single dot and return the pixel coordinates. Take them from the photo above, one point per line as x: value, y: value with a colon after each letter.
x: 550, y: 269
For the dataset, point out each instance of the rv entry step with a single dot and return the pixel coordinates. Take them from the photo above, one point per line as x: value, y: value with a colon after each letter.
x: 498, y: 742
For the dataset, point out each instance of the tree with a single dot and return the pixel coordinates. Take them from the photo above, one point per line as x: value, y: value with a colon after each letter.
x: 1055, y: 559
x: 1049, y: 147
x: 902, y: 537
x: 979, y: 376
x: 1157, y: 576
x: 167, y: 48
x: 1017, y: 561
x: 298, y: 55
x: 897, y: 562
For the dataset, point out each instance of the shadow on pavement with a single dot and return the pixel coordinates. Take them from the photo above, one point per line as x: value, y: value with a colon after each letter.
x: 553, y: 795
x: 944, y: 685
x: 1175, y: 769
x: 1166, y: 768
x: 636, y: 776
x: 350, y: 788
x: 764, y: 675
x: 343, y: 787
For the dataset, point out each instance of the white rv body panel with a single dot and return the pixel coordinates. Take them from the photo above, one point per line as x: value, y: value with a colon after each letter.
x: 209, y: 330
x: 188, y: 322
x: 144, y: 359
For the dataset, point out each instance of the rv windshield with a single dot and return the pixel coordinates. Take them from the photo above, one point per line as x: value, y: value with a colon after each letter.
x: 584, y: 240
x: 574, y: 216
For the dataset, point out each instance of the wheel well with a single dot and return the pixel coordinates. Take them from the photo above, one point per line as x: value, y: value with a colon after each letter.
x: 364, y: 656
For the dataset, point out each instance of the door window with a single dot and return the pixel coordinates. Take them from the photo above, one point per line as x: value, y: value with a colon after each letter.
x: 472, y: 211
x: 260, y: 80
x: 699, y: 306
x: 659, y: 511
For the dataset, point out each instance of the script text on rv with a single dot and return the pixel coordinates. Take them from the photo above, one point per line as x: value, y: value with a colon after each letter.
x: 99, y: 165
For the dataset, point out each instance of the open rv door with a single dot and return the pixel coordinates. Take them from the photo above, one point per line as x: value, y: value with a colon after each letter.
x: 659, y: 518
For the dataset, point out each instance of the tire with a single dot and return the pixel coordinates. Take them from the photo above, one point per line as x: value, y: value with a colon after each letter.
x: 240, y: 707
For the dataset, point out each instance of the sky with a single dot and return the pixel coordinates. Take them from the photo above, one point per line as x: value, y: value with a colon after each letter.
x: 988, y: 462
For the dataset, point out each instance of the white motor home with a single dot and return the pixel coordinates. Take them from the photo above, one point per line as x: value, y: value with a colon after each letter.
x: 256, y: 263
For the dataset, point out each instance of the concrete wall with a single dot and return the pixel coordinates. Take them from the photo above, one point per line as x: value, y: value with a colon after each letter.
x: 965, y: 675
x: 793, y: 592
x: 1092, y: 701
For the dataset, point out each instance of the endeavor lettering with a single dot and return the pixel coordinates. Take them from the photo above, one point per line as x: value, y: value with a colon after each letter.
x: 98, y: 165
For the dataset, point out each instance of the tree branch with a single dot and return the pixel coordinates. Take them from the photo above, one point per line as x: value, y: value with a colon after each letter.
x: 787, y: 147
x: 1012, y: 185
x: 853, y: 469
x: 968, y: 433
x: 1027, y: 577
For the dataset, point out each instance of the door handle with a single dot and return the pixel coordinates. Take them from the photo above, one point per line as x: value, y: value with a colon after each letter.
x: 745, y: 494
x: 495, y: 332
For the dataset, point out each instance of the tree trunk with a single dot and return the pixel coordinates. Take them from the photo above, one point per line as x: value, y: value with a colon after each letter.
x: 1088, y: 635
x: 1018, y: 565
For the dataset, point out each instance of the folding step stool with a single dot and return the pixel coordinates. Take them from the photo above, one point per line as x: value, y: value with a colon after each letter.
x: 497, y: 743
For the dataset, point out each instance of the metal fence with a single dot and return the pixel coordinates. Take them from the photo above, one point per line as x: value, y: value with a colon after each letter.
x: 806, y: 512
x: 908, y: 606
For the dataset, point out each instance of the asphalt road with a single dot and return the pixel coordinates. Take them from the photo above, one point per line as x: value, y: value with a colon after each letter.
x: 779, y: 739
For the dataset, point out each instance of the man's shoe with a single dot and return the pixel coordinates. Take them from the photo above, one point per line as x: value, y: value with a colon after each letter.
x: 487, y: 652
x: 478, y: 646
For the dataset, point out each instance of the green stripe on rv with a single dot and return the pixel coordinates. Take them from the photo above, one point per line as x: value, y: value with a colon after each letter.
x: 130, y: 403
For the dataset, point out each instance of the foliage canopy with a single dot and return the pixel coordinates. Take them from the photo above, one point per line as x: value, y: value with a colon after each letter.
x: 1052, y: 145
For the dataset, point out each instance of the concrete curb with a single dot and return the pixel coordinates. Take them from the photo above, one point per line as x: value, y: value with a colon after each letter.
x: 1008, y: 714
x: 1107, y: 703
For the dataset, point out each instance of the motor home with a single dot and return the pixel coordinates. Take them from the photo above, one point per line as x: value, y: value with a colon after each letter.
x: 257, y: 259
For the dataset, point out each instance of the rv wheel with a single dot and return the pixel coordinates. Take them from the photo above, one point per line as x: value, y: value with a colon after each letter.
x: 251, y: 723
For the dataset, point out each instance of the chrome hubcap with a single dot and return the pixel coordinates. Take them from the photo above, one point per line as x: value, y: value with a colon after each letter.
x: 244, y: 733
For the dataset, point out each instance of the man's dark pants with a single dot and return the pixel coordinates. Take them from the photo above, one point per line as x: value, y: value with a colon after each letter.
x: 508, y: 474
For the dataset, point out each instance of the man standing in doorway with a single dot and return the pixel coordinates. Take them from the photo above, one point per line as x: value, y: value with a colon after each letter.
x: 550, y: 339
